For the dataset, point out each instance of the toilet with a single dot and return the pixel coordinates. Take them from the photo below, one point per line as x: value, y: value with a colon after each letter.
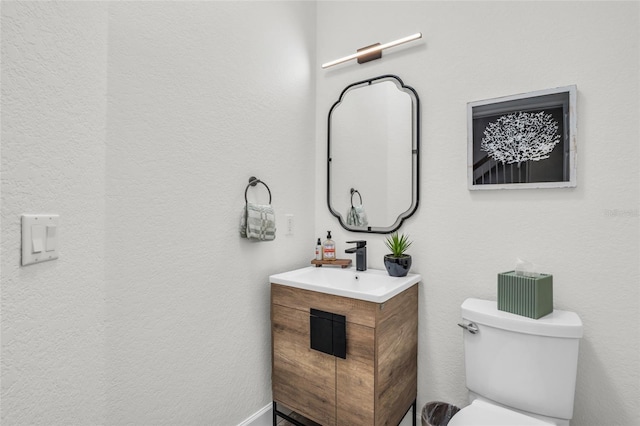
x: 519, y: 371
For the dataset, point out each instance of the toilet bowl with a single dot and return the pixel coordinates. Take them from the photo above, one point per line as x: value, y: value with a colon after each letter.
x: 519, y: 371
x: 482, y: 413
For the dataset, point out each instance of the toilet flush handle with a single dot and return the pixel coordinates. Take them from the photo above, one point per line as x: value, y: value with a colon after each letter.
x: 471, y: 327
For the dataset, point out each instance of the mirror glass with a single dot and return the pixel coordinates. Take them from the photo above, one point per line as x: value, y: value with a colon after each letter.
x: 373, y: 155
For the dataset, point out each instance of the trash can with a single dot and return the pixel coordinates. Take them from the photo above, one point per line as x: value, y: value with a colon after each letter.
x: 438, y: 413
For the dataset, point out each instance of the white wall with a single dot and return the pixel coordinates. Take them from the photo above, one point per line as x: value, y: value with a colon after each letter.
x: 586, y: 237
x: 201, y: 97
x: 54, y: 81
x: 149, y: 118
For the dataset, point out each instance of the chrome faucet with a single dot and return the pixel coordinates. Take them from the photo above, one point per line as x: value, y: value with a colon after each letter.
x: 361, y: 254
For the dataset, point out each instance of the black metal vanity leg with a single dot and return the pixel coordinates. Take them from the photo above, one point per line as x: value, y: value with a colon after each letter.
x: 415, y: 402
x: 284, y: 416
x: 413, y: 412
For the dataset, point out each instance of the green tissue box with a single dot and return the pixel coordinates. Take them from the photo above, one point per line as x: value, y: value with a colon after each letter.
x: 527, y: 296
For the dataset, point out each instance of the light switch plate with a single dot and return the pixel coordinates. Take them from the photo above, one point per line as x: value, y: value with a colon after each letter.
x: 39, y: 238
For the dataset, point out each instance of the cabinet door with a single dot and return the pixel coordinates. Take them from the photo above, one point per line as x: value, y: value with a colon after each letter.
x: 397, y: 357
x: 355, y: 377
x: 302, y: 379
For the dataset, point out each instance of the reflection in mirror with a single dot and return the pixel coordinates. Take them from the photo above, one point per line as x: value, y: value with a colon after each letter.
x: 373, y: 158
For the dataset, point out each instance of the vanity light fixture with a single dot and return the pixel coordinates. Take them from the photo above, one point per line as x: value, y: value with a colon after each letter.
x: 372, y: 52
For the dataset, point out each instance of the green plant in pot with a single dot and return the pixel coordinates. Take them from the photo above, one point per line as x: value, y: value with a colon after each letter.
x: 397, y: 262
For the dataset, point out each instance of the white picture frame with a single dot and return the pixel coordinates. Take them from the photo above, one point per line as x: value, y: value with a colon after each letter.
x: 523, y: 141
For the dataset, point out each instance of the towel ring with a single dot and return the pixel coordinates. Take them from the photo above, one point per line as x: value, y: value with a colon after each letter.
x: 253, y: 181
x: 355, y: 191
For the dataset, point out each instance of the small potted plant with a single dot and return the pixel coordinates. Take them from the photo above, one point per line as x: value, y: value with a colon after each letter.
x: 397, y: 262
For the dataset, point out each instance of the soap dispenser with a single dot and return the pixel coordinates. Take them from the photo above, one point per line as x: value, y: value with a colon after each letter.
x: 319, y: 250
x: 329, y: 248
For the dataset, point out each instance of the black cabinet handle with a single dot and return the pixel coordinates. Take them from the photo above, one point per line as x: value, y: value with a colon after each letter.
x: 328, y: 333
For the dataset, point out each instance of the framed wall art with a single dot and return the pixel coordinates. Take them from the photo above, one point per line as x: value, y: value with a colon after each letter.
x: 523, y: 141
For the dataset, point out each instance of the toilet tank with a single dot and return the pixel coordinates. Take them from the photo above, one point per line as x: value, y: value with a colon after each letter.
x: 521, y: 362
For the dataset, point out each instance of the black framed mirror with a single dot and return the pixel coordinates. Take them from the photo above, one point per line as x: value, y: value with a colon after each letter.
x: 373, y: 155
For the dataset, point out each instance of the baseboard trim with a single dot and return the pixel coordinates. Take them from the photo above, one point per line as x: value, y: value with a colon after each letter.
x: 262, y: 417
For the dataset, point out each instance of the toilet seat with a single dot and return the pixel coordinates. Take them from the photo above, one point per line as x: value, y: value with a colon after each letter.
x: 481, y: 413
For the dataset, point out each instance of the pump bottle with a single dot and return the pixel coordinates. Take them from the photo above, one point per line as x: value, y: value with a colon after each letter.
x: 329, y: 248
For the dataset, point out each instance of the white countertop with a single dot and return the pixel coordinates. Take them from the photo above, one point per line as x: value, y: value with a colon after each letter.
x: 372, y: 285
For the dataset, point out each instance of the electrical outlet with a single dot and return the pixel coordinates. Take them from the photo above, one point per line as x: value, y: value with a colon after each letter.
x: 289, y: 223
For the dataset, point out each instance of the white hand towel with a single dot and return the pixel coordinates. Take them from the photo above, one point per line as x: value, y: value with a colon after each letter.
x: 258, y: 222
x: 356, y: 216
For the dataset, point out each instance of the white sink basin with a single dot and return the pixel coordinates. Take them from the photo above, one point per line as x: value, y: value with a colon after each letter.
x: 371, y: 285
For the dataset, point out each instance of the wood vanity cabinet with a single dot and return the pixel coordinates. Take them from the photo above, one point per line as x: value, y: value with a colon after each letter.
x: 375, y: 384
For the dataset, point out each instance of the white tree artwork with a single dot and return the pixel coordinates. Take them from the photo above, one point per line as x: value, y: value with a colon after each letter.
x: 520, y: 137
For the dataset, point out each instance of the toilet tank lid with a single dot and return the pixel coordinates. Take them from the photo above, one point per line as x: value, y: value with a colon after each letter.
x: 557, y: 324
